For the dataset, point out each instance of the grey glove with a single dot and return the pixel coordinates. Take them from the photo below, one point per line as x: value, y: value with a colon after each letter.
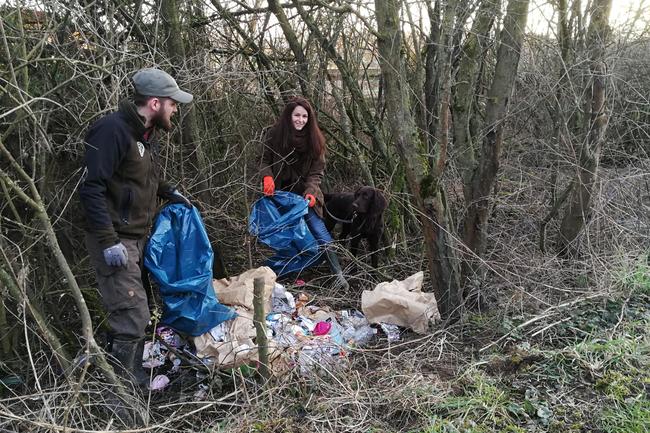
x: 116, y: 255
x: 177, y: 197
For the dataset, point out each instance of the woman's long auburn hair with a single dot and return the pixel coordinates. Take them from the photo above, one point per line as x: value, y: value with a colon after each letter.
x: 283, y: 126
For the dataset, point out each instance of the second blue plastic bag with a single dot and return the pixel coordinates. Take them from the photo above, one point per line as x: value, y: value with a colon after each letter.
x: 179, y: 257
x: 278, y: 222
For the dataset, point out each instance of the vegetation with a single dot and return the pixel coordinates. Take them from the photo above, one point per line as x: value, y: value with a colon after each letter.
x: 515, y: 162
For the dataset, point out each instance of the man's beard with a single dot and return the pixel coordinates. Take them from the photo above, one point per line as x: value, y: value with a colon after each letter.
x: 162, y: 122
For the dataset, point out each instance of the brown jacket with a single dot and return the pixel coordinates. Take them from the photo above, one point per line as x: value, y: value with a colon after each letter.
x: 292, y: 171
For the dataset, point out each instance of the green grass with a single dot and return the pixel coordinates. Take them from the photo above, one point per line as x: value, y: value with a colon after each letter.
x: 635, y: 275
x: 591, y: 374
x: 627, y: 417
x: 588, y: 372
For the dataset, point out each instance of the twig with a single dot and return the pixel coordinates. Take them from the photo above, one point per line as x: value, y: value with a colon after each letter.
x: 548, y: 313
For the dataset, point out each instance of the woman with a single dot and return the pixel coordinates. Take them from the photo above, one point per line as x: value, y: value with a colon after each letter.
x: 294, y: 160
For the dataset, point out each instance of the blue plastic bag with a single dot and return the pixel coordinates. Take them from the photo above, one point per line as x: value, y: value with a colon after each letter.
x: 278, y: 222
x: 179, y: 257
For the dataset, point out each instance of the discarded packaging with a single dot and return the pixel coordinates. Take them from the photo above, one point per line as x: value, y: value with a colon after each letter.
x: 308, y: 337
x: 320, y: 355
x: 159, y: 383
x: 235, y: 348
x: 356, y: 329
x: 392, y: 331
x: 219, y: 332
x: 169, y: 336
x: 239, y: 290
x: 322, y: 328
x: 152, y: 355
x: 176, y: 364
x: 202, y: 392
x: 401, y: 303
x: 302, y: 300
x: 283, y: 301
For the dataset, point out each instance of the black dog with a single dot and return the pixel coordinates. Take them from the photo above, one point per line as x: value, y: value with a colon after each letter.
x: 362, y: 216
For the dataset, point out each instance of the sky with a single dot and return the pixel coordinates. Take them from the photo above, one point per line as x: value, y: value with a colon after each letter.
x: 541, y: 19
x: 541, y: 13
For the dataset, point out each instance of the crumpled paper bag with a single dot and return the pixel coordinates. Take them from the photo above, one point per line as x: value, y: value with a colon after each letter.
x: 401, y: 303
x: 239, y: 290
x: 237, y: 346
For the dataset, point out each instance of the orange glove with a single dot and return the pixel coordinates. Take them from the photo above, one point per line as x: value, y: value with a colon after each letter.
x: 269, y: 185
x: 312, y: 199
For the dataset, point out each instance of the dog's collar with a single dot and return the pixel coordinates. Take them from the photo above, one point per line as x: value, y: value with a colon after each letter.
x: 354, y: 215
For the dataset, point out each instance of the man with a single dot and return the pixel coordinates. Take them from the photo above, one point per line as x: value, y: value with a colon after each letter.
x: 119, y: 198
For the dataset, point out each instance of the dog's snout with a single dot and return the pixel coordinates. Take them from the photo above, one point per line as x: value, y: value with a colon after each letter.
x: 355, y: 206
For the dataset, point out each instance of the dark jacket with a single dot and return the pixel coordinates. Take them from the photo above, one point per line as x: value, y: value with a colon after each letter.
x: 293, y: 171
x: 118, y: 193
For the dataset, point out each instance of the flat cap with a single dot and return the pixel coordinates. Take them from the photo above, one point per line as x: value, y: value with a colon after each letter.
x: 154, y: 82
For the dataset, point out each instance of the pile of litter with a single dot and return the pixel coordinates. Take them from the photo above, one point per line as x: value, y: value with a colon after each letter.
x: 300, y: 334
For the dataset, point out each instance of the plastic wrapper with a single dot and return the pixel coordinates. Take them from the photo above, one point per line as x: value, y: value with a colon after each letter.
x: 320, y: 354
x: 282, y: 300
x: 169, y: 336
x: 159, y: 383
x: 152, y: 355
x: 322, y: 328
x: 179, y: 257
x: 219, y: 332
x: 392, y: 331
x: 356, y: 328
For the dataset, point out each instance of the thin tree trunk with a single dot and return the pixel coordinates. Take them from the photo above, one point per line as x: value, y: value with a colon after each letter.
x: 294, y: 44
x: 484, y: 176
x: 425, y: 189
x: 259, y: 319
x: 60, y: 353
x: 349, y: 136
x: 578, y: 209
x: 430, y: 76
x: 350, y: 82
x: 560, y: 125
x: 92, y: 349
x: 417, y: 75
x: 439, y: 151
x: 189, y: 128
x: 463, y: 95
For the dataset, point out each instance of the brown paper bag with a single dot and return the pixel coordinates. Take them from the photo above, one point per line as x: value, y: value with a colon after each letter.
x: 239, y: 290
x: 401, y: 303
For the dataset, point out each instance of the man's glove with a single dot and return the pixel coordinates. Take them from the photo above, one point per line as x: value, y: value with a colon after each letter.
x: 269, y: 186
x: 116, y: 255
x: 311, y: 198
x: 177, y: 197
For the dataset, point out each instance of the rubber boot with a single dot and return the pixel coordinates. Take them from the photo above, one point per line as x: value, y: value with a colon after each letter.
x: 125, y: 404
x: 128, y: 357
x: 141, y: 376
x: 335, y: 267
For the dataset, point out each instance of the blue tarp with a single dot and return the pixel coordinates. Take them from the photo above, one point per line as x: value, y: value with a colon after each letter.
x: 278, y: 222
x: 179, y: 257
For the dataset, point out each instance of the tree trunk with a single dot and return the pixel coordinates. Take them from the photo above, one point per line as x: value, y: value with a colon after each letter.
x: 578, y: 209
x: 439, y: 150
x: 350, y: 82
x: 426, y: 192
x: 191, y: 148
x: 430, y: 76
x: 35, y: 202
x: 484, y: 175
x: 463, y: 95
x: 294, y: 44
x: 351, y: 140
